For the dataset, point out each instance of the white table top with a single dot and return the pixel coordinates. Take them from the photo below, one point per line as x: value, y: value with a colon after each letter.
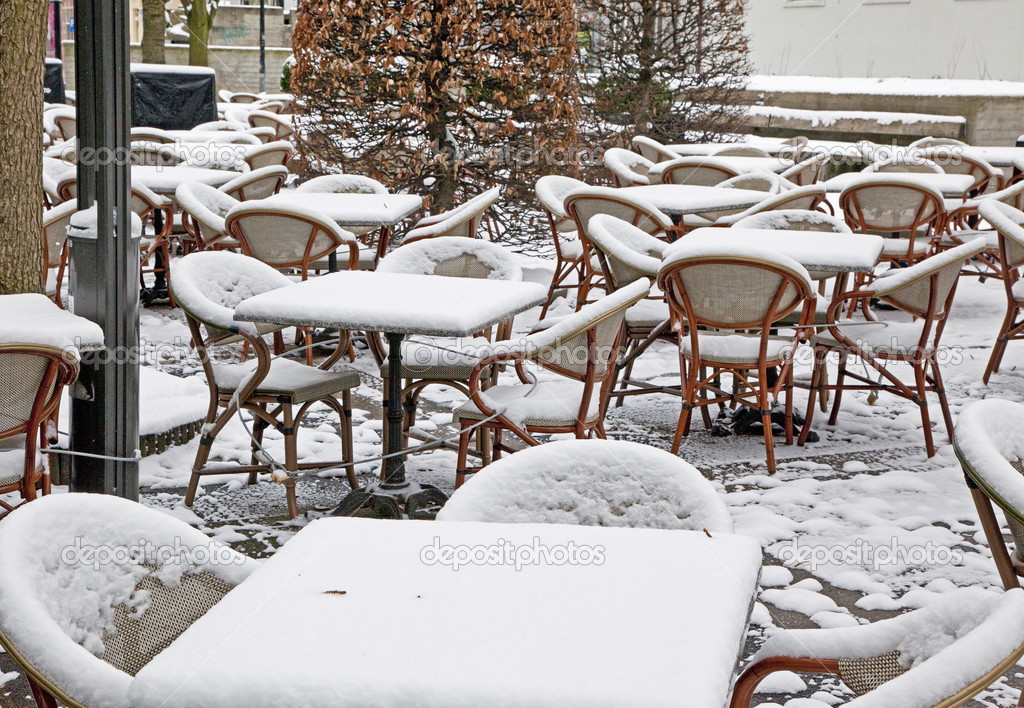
x: 348, y: 209
x: 397, y: 303
x: 949, y: 185
x: 997, y: 156
x: 845, y: 253
x: 164, y: 180
x: 659, y: 621
x: 35, y: 318
x: 681, y: 199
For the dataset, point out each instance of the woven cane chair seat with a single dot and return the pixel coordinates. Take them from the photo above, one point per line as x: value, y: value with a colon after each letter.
x: 136, y: 639
x: 878, y: 338
x: 549, y: 404
x: 958, y: 237
x: 647, y: 313
x: 12, y: 460
x: 865, y: 675
x: 288, y: 380
x: 439, y: 358
x: 737, y: 349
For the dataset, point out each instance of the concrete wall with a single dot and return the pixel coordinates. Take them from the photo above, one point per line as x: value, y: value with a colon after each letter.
x: 991, y: 120
x: 925, y: 39
x: 237, y: 67
x: 240, y: 26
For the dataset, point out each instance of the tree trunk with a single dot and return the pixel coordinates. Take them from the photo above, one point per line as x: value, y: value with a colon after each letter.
x: 200, y: 22
x: 154, y: 28
x: 22, y: 54
x: 439, y: 106
x: 645, y: 87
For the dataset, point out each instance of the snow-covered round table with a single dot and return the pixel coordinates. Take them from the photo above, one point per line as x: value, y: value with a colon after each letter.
x: 359, y: 612
x: 814, y: 250
x: 164, y: 180
x: 396, y: 304
x: 682, y: 199
x: 950, y: 185
x: 356, y: 210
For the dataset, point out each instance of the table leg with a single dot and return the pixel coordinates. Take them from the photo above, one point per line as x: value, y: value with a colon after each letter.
x: 394, y: 467
x: 386, y: 499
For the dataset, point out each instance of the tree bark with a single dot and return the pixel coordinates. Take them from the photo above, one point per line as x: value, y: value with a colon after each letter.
x: 154, y: 29
x: 22, y: 54
x: 200, y: 22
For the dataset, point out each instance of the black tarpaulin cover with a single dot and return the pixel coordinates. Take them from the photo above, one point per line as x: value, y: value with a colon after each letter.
x: 173, y: 97
x: 53, y: 82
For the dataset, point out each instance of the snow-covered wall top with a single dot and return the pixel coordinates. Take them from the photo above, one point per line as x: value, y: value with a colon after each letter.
x: 885, y: 87
x: 921, y: 39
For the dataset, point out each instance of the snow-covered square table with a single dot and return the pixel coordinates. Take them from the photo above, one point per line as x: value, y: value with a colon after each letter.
x: 356, y: 210
x: 164, y: 180
x: 396, y: 304
x: 360, y: 612
x: 38, y: 319
x: 950, y: 185
x: 814, y: 250
x: 682, y: 199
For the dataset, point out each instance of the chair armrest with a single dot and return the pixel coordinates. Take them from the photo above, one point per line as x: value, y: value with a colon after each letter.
x: 748, y: 681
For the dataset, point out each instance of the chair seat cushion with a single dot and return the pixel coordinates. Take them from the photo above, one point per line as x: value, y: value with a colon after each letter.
x: 571, y: 249
x: 366, y: 258
x: 290, y: 380
x: 1018, y: 291
x: 736, y: 349
x: 551, y: 403
x: 886, y: 339
x: 51, y: 281
x: 12, y: 460
x: 439, y: 358
x: 900, y: 246
x: 647, y: 313
x: 991, y: 238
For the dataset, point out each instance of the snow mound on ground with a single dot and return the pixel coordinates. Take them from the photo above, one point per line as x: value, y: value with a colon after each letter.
x: 592, y: 483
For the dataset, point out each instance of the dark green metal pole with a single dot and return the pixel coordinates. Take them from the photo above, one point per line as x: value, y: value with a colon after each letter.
x: 105, y: 270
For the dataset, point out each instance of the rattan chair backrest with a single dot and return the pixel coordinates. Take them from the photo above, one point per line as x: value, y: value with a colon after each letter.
x: 1009, y: 222
x: 888, y: 207
x: 55, y: 230
x: 698, y: 171
x: 283, y: 238
x: 259, y: 183
x: 629, y: 168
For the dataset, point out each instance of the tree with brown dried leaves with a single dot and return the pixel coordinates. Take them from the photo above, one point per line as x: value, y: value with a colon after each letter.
x: 670, y: 69
x: 440, y: 97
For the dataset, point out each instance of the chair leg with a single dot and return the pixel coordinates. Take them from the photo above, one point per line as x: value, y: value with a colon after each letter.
x: 258, y: 426
x: 817, y: 373
x: 940, y: 391
x: 43, y: 699
x: 348, y: 453
x: 1000, y: 346
x: 788, y: 393
x: 921, y: 382
x: 994, y: 536
x: 462, y: 459
x: 766, y: 419
x: 840, y: 379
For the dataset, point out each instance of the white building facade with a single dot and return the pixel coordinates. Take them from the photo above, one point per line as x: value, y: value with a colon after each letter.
x: 921, y: 39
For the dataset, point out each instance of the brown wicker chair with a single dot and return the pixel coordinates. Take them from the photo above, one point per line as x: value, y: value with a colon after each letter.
x: 809, y: 170
x: 1009, y: 225
x: 924, y: 291
x: 954, y: 161
x: 80, y: 628
x: 700, y: 171
x: 463, y: 220
x: 741, y: 151
x: 283, y: 128
x: 630, y: 169
x: 907, y: 215
x: 652, y: 150
x: 551, y: 192
x: 55, y: 253
x: 277, y: 392
x: 937, y: 657
x: 203, y: 209
x: 987, y: 443
x: 584, y: 203
x: 259, y: 183
x: 725, y: 306
x: 32, y: 378
x: 964, y: 223
x: 279, y: 152
x: 580, y: 349
x: 809, y: 198
x: 147, y: 203
x: 445, y: 361
x: 627, y: 254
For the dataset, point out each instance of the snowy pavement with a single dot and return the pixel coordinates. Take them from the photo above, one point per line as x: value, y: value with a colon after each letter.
x: 855, y: 527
